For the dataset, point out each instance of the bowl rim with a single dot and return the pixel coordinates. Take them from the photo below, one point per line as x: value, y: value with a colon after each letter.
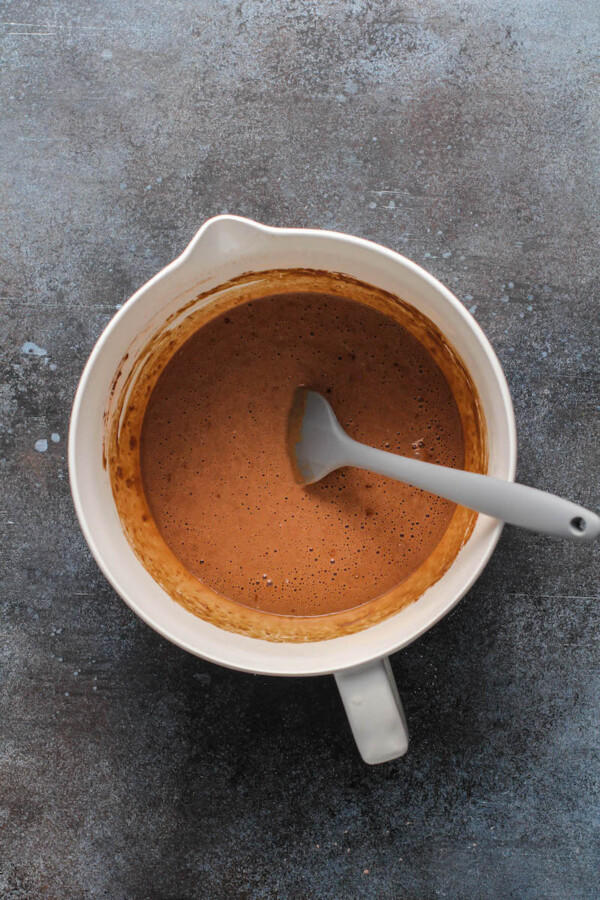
x: 300, y: 666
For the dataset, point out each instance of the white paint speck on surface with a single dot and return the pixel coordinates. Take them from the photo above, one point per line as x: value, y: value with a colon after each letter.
x: 41, y: 446
x: 55, y: 437
x: 31, y: 349
x: 107, y: 54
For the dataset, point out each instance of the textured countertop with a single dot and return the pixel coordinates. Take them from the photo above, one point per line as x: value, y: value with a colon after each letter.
x: 464, y: 135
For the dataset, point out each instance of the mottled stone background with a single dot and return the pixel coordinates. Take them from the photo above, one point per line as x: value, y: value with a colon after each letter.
x: 465, y: 135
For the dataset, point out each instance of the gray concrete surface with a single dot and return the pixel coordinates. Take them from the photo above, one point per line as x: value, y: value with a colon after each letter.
x: 464, y: 135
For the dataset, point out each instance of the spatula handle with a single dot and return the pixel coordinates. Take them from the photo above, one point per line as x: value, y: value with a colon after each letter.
x: 514, y: 503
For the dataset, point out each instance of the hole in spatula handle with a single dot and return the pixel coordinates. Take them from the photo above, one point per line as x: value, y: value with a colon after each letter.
x: 578, y: 525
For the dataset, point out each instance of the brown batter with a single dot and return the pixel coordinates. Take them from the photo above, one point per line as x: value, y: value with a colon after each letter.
x: 220, y: 485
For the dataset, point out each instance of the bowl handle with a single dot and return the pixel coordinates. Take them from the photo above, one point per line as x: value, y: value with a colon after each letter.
x: 374, y: 710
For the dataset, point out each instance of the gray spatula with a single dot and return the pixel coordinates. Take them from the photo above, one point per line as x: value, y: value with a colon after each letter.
x: 318, y: 445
